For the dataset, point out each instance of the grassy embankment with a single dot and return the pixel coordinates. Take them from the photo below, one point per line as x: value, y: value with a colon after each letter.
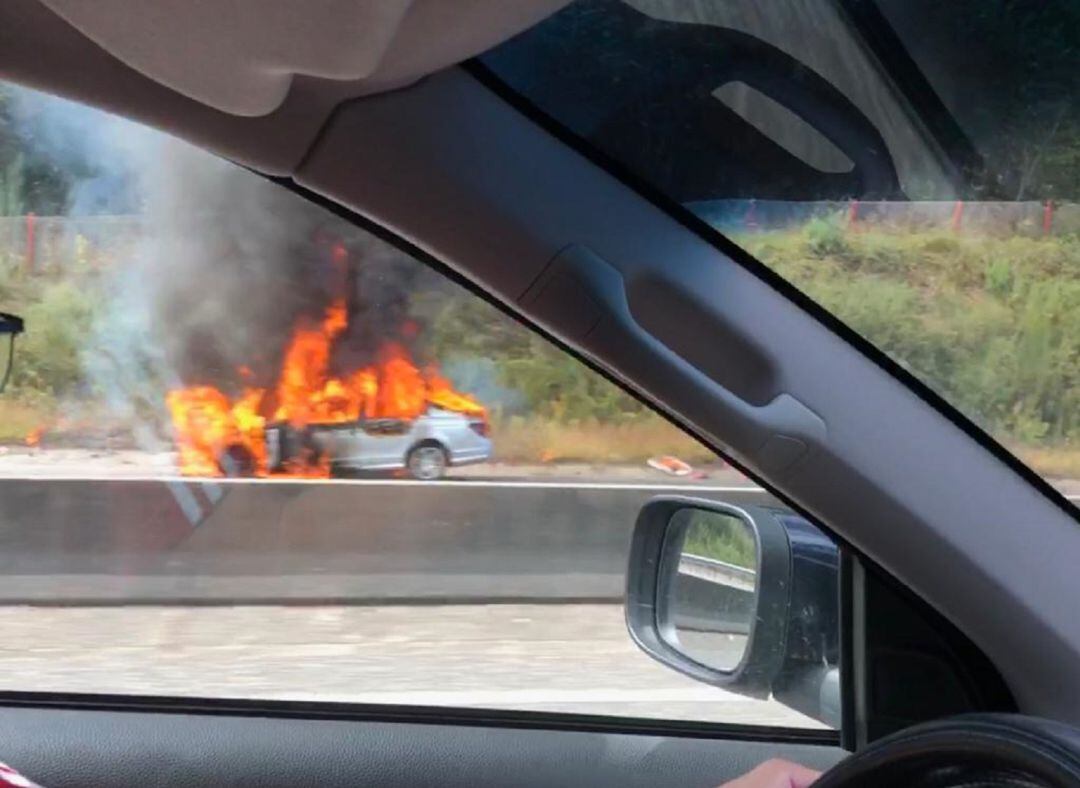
x: 993, y: 324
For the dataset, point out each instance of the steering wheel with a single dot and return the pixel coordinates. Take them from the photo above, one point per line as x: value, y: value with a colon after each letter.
x: 969, y: 751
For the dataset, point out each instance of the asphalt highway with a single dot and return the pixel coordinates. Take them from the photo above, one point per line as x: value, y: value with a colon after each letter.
x: 574, y: 658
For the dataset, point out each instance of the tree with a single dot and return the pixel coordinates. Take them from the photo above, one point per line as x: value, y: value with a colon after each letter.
x: 30, y: 181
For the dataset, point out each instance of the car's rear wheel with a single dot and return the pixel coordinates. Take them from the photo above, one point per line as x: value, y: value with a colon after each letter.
x: 427, y: 462
x: 237, y: 461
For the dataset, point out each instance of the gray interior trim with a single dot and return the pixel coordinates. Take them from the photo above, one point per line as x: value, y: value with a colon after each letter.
x: 458, y: 172
x: 243, y: 56
x: 40, y: 49
x: 818, y: 35
x: 60, y: 748
x: 72, y: 66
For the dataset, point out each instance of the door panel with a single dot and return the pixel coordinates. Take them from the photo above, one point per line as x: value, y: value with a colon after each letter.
x: 63, y: 747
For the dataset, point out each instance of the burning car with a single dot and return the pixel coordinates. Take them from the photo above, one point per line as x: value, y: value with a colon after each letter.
x: 425, y: 446
x: 316, y: 419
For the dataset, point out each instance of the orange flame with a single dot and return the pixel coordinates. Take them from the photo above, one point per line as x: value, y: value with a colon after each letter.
x: 442, y: 395
x: 211, y: 427
x: 305, y: 395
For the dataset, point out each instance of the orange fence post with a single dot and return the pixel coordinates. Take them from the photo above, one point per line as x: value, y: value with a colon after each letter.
x: 852, y: 213
x: 28, y: 261
x: 1048, y: 217
x: 957, y: 215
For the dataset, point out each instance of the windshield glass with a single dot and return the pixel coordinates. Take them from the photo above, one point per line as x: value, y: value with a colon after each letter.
x: 925, y: 193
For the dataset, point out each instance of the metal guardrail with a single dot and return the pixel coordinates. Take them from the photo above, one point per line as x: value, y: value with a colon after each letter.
x: 715, y: 596
x: 714, y: 571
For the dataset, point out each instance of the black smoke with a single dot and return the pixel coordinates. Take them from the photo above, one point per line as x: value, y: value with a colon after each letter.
x: 230, y: 264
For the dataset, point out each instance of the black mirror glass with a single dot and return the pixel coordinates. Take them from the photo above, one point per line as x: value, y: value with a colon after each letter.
x: 708, y: 587
x: 7, y: 359
x: 10, y: 327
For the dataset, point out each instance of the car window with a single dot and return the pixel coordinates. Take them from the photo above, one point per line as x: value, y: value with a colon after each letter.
x: 250, y: 450
x: 923, y: 192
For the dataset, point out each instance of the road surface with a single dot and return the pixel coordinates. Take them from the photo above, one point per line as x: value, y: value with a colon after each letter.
x: 555, y: 657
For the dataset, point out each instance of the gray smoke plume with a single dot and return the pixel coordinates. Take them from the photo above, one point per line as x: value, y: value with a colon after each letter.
x: 230, y: 265
x: 226, y: 265
x: 101, y: 153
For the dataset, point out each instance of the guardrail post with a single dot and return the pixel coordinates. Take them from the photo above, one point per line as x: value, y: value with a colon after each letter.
x: 957, y: 216
x: 28, y: 260
x: 750, y: 218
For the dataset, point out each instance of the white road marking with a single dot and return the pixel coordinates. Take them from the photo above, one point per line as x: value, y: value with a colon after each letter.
x: 532, y: 697
x: 390, y: 482
x: 687, y: 487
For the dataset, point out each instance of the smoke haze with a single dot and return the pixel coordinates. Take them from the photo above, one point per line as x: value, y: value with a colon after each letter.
x: 226, y: 265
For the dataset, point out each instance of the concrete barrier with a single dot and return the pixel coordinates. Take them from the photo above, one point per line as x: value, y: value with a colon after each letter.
x: 358, y: 541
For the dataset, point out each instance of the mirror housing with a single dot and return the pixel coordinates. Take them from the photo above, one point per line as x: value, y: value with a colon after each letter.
x: 651, y: 561
x: 791, y: 650
x: 12, y: 326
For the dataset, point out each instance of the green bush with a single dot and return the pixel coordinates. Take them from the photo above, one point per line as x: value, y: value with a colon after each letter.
x: 721, y: 537
x: 550, y: 383
x: 48, y: 357
x: 999, y: 277
x: 824, y: 237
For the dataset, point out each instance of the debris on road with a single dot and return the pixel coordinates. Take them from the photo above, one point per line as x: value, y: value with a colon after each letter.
x: 672, y: 466
x: 33, y: 438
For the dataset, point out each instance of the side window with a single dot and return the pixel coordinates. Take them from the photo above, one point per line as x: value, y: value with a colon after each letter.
x: 927, y: 195
x: 250, y: 450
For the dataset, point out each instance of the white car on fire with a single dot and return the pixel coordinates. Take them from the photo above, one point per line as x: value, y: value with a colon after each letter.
x: 425, y: 446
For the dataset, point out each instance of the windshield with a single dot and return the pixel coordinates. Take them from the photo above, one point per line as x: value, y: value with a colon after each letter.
x: 925, y: 193
x: 1009, y: 92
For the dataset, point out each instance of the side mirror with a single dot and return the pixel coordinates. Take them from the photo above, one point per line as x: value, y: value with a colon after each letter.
x: 12, y: 326
x: 742, y: 597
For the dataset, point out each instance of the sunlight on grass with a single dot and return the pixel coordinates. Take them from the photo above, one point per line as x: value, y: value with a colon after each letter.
x: 19, y: 418
x: 537, y: 439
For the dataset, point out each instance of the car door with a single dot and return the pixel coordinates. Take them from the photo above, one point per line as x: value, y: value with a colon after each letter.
x: 640, y: 289
x: 373, y: 444
x: 390, y: 443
